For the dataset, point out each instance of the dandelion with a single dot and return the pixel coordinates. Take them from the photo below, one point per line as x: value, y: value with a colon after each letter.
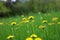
x: 42, y: 27
x: 25, y: 20
x: 29, y: 38
x: 38, y: 39
x: 10, y: 37
x: 58, y: 22
x: 1, y: 23
x: 55, y: 19
x: 33, y: 35
x: 13, y: 23
x: 44, y: 21
x: 50, y: 23
x: 31, y: 17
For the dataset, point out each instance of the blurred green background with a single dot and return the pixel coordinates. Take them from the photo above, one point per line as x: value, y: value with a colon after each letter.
x: 13, y: 7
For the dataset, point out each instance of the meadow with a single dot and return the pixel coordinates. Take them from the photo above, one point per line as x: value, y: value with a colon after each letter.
x: 34, y: 26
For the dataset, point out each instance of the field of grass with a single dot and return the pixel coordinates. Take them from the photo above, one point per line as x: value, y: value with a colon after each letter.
x: 36, y: 26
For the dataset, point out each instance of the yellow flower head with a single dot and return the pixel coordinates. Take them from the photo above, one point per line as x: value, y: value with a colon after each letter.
x: 10, y: 37
x: 50, y: 23
x: 13, y: 23
x: 42, y: 27
x: 33, y: 35
x: 25, y: 20
x: 1, y: 23
x: 38, y: 39
x: 31, y: 17
x: 58, y: 22
x: 29, y: 38
x: 55, y: 19
x: 44, y: 21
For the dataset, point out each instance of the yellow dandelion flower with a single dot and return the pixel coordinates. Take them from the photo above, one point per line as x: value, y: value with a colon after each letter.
x: 58, y: 22
x: 50, y: 23
x: 42, y: 27
x: 29, y: 38
x: 38, y: 39
x: 1, y: 23
x: 33, y: 35
x: 13, y: 23
x: 31, y: 17
x: 44, y: 21
x: 55, y: 19
x: 10, y: 37
x: 25, y: 20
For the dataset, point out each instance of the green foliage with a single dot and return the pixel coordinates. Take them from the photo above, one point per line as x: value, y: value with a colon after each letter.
x: 3, y: 8
x: 30, y: 6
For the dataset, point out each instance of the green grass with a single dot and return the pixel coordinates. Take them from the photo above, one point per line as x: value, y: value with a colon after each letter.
x: 24, y: 30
